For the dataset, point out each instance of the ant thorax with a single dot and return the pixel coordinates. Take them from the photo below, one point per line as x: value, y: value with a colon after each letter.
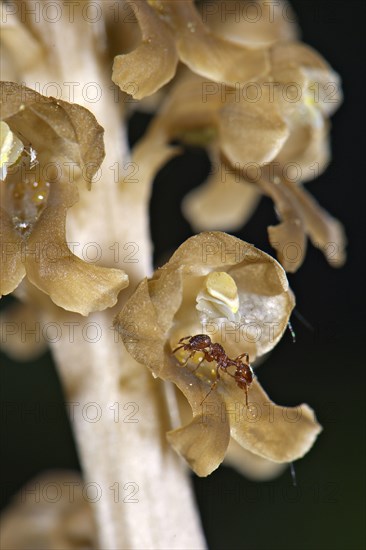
x: 215, y: 353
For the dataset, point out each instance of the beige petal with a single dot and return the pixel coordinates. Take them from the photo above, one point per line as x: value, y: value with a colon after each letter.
x: 146, y: 69
x: 254, y: 24
x: 325, y: 232
x: 189, y: 110
x: 209, y: 55
x: 288, y: 238
x: 251, y: 134
x: 292, y: 54
x: 224, y: 202
x: 143, y: 325
x: 87, y: 135
x: 150, y: 154
x: 280, y: 434
x: 292, y: 63
x: 265, y: 299
x: 306, y: 153
x: 138, y: 326
x: 204, y: 441
x: 70, y: 282
x: 58, y: 131
x: 266, y: 303
x: 12, y: 269
x: 252, y: 466
x: 325, y: 89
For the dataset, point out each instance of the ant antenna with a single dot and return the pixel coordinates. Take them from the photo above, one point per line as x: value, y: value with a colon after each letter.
x: 289, y: 326
x: 293, y: 474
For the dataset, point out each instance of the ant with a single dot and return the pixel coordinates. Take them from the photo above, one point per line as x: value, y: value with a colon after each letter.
x: 243, y: 374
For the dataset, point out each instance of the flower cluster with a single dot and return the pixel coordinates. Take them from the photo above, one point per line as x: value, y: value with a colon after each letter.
x: 266, y: 134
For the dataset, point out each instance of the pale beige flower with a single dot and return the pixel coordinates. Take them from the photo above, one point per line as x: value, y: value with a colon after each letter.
x: 43, y: 137
x: 271, y: 144
x: 289, y: 145
x: 218, y: 285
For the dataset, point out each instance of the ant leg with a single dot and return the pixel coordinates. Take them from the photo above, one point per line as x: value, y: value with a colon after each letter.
x: 176, y: 349
x: 199, y: 364
x: 246, y: 355
x: 229, y: 373
x: 246, y: 395
x: 180, y: 342
x: 213, y: 385
x: 188, y: 358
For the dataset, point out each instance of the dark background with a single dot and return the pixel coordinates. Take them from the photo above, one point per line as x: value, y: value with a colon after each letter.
x: 325, y: 368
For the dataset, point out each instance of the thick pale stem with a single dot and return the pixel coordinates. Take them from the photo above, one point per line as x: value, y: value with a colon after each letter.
x: 119, y: 417
x: 118, y: 410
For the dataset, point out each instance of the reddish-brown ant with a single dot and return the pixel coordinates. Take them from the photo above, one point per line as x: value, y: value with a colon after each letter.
x: 243, y: 374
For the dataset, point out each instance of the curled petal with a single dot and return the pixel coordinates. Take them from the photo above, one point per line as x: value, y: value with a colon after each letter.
x: 69, y: 281
x: 288, y: 238
x: 294, y: 63
x: 251, y: 465
x: 55, y: 129
x: 86, y: 136
x: 222, y: 203
x: 293, y: 54
x: 326, y: 89
x: 146, y: 69
x: 191, y: 106
x: 306, y: 153
x: 140, y: 331
x: 203, y: 442
x: 209, y: 55
x: 325, y: 231
x: 149, y: 155
x: 12, y: 269
x: 251, y: 133
x: 143, y: 324
x: 262, y: 24
x: 280, y: 434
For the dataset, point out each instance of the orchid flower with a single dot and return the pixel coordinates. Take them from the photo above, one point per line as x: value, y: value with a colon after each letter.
x: 69, y: 181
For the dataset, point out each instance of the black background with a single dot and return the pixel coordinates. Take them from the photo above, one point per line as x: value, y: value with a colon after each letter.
x: 325, y: 368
